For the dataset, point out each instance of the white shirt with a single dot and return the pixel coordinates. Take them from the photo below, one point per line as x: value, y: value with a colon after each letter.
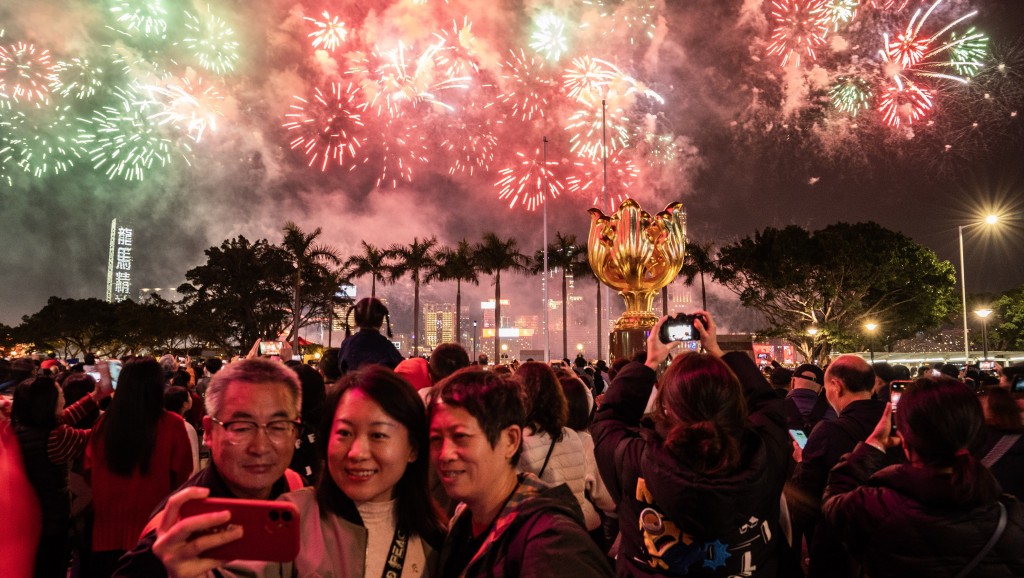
x: 379, y: 520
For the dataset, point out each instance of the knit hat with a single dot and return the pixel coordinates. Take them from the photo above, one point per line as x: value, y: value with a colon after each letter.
x: 810, y: 372
x: 414, y: 370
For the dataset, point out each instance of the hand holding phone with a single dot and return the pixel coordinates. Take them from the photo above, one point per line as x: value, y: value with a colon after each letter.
x: 799, y: 437
x: 270, y: 529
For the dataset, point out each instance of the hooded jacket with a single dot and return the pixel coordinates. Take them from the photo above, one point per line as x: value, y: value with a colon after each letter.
x: 907, y: 521
x: 539, y: 533
x: 675, y: 521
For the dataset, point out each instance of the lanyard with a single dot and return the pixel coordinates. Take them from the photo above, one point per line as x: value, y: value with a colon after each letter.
x: 396, y: 555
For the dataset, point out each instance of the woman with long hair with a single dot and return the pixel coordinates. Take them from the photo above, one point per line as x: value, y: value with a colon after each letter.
x: 49, y: 443
x: 697, y: 492
x: 941, y: 513
x: 552, y: 451
x: 511, y: 524
x: 1002, y: 440
x: 138, y: 455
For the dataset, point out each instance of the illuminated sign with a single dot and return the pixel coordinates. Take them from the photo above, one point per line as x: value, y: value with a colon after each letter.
x: 119, y: 262
x: 490, y: 304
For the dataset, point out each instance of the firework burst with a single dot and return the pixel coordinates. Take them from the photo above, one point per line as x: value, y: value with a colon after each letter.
x: 549, y: 39
x: 140, y: 16
x: 212, y: 42
x: 588, y: 127
x: 528, y: 182
x: 77, y: 78
x: 330, y: 32
x: 635, y: 19
x: 527, y: 86
x: 470, y: 142
x: 851, y: 94
x: 26, y: 74
x: 967, y: 57
x: 587, y: 79
x: 397, y: 80
x: 325, y: 127
x: 457, y: 51
x: 904, y: 103
x: 404, y: 149
x: 192, y: 106
x: 39, y: 146
x: 121, y: 140
x: 800, y: 29
x: 588, y: 176
x: 840, y: 12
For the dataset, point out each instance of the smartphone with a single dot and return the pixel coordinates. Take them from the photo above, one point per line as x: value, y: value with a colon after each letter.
x: 986, y: 365
x: 270, y: 347
x: 799, y: 437
x: 896, y: 389
x: 115, y: 371
x: 270, y: 528
x: 1018, y: 384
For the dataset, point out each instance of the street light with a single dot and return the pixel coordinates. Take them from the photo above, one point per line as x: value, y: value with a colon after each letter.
x: 871, y: 327
x: 984, y: 313
x: 474, y: 339
x: 989, y: 220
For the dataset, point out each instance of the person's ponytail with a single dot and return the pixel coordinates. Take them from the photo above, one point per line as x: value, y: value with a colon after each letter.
x: 970, y: 481
x: 705, y: 446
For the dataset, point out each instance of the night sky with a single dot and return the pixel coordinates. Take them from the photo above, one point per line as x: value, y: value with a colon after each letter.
x: 742, y: 141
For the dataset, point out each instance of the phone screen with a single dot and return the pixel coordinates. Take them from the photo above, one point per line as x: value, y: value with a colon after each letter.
x: 799, y: 437
x: 1018, y: 384
x: 115, y: 372
x: 680, y: 332
x: 270, y: 348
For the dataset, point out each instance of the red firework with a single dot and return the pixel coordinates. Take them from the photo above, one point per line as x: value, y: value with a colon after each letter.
x: 904, y: 103
x: 526, y: 181
x: 470, y: 142
x: 527, y: 85
x: 326, y: 125
x: 26, y: 73
x: 800, y: 29
x: 456, y: 54
x: 404, y: 149
x: 588, y: 177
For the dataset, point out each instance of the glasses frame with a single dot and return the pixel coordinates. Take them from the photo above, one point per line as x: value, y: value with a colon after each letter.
x: 259, y: 426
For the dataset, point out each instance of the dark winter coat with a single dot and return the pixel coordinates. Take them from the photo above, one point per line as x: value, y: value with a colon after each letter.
x: 1009, y: 470
x: 365, y: 347
x: 906, y: 521
x: 539, y: 533
x: 675, y: 521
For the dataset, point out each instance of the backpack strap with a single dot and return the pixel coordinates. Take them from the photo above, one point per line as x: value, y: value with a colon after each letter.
x: 551, y: 448
x: 999, y: 450
x: 1000, y: 527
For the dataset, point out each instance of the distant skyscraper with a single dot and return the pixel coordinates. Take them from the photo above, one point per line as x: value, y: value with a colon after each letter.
x: 119, y: 262
x: 439, y: 323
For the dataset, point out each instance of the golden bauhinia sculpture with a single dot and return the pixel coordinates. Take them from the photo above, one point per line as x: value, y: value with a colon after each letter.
x: 637, y: 254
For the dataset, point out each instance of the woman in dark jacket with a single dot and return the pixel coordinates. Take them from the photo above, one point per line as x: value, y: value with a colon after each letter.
x: 698, y: 493
x: 1002, y: 440
x: 942, y: 513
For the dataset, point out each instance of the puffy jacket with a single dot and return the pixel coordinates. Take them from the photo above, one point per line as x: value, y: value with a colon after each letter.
x: 906, y: 521
x: 567, y: 465
x: 675, y: 521
x: 538, y: 534
x: 364, y: 347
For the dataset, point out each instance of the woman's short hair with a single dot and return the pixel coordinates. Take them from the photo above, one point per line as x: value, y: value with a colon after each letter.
x: 701, y: 412
x: 175, y: 399
x: 940, y: 420
x: 256, y: 370
x: 35, y: 403
x: 546, y: 407
x: 416, y: 511
x: 446, y: 359
x: 495, y: 401
x: 578, y: 403
x: 1001, y: 410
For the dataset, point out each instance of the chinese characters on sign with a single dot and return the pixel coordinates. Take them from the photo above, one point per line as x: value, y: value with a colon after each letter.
x: 119, y: 263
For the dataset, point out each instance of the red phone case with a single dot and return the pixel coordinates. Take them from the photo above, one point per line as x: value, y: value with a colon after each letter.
x: 271, y: 529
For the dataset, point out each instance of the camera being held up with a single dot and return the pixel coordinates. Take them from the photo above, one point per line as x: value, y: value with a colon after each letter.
x: 681, y: 328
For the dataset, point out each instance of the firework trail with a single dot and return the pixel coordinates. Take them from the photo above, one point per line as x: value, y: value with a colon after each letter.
x: 189, y: 105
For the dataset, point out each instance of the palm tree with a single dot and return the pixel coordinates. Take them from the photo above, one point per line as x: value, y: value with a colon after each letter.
x: 566, y: 255
x: 698, y: 262
x: 492, y: 256
x: 305, y: 256
x: 413, y: 259
x: 456, y: 265
x: 372, y: 262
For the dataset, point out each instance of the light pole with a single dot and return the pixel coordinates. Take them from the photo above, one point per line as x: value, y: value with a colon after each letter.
x: 474, y: 339
x: 871, y: 327
x: 984, y: 313
x: 989, y: 220
x: 813, y: 332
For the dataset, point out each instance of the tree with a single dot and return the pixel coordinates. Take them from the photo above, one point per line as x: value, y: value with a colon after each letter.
x: 565, y: 255
x: 456, y: 265
x: 583, y: 271
x: 837, y: 279
x: 697, y: 263
x: 372, y: 262
x: 73, y: 326
x: 492, y: 256
x: 1008, y: 314
x: 243, y: 289
x: 415, y: 259
x: 306, y: 256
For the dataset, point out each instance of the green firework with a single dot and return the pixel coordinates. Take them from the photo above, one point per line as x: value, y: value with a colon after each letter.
x: 42, y: 144
x: 121, y: 140
x: 146, y: 17
x: 212, y: 42
x: 850, y: 94
x: 77, y: 78
x: 968, y: 53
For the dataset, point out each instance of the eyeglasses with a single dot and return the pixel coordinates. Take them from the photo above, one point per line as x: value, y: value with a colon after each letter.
x: 242, y: 431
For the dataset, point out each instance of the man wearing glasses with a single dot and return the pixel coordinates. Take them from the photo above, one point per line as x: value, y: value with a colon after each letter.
x: 251, y: 426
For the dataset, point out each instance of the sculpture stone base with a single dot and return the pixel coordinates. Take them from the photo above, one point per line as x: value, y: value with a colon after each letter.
x: 625, y: 343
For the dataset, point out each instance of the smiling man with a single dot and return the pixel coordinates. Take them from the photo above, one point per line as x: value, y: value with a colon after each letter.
x: 253, y: 408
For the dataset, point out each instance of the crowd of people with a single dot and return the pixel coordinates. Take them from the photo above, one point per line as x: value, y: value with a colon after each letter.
x: 669, y: 464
